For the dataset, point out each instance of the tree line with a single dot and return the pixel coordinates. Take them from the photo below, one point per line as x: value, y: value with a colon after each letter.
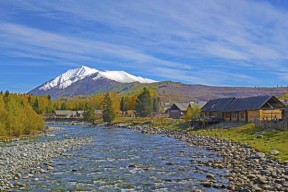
x: 19, y: 114
x: 111, y: 104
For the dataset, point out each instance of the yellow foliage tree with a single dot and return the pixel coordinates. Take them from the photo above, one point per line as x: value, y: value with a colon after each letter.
x: 192, y: 112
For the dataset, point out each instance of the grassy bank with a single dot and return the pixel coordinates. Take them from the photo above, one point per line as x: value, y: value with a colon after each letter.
x: 167, y: 123
x: 269, y: 140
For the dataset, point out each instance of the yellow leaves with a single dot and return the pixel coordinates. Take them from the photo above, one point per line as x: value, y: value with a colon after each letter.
x: 17, y: 116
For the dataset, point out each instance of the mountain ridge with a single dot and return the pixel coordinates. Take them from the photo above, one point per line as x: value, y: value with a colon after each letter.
x: 87, y: 81
x: 73, y: 75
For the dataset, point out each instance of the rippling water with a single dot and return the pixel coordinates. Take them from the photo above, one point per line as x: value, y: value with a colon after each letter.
x: 125, y: 160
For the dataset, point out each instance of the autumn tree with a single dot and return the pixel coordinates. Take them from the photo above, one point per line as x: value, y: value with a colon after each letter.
x: 3, y: 116
x: 108, y: 110
x: 144, y: 103
x: 17, y: 116
x: 192, y: 112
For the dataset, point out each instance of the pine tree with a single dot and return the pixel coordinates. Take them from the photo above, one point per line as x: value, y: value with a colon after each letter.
x: 89, y: 114
x: 123, y: 104
x: 156, y: 104
x: 108, y: 110
x: 36, y: 106
x: 144, y: 103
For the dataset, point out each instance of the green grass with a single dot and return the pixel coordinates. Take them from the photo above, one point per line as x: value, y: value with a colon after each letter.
x: 272, y: 139
x: 167, y: 123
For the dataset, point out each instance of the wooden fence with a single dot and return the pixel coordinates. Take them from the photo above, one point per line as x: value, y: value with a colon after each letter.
x: 274, y: 124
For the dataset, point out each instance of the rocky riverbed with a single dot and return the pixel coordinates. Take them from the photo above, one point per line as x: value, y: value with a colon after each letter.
x: 249, y: 170
x: 27, y: 159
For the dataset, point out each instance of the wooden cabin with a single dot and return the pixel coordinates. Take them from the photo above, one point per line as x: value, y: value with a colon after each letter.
x: 215, y: 107
x: 245, y: 109
x: 178, y: 110
x: 63, y: 113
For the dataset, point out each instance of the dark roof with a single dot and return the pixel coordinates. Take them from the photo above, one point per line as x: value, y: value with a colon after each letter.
x: 198, y: 103
x: 217, y: 104
x: 249, y: 103
x: 243, y: 104
x: 180, y: 106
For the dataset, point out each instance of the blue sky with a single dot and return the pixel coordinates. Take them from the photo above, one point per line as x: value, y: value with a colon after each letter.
x: 223, y: 42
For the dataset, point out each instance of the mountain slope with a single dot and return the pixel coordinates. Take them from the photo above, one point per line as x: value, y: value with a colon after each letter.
x: 66, y: 79
x: 87, y: 81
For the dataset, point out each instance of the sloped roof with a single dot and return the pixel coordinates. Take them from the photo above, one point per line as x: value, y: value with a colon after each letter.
x: 242, y: 104
x: 63, y: 112
x: 249, y: 103
x: 198, y: 103
x: 181, y: 106
x: 217, y: 104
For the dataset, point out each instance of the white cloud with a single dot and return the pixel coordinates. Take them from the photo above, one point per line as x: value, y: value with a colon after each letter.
x: 162, y: 37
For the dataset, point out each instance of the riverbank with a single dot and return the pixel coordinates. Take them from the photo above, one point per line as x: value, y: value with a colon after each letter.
x: 249, y: 170
x: 27, y: 159
x: 267, y: 141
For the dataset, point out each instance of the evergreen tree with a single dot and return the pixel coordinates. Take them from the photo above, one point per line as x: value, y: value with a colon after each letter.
x: 108, y: 110
x: 36, y: 106
x: 156, y: 104
x: 144, y: 103
x: 123, y: 104
x: 63, y: 106
x: 89, y: 114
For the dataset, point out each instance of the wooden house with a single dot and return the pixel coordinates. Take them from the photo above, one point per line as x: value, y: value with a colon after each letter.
x: 215, y: 108
x: 63, y: 113
x: 245, y: 109
x: 178, y: 110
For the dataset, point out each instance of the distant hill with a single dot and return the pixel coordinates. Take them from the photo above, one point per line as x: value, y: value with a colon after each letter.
x: 178, y: 92
x: 86, y: 81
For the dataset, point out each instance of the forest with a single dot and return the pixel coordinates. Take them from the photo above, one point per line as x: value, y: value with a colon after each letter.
x: 20, y: 113
x: 120, y: 104
x: 23, y: 114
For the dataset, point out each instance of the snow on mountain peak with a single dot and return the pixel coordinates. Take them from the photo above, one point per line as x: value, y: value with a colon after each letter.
x: 123, y: 77
x: 73, y: 75
x: 66, y: 79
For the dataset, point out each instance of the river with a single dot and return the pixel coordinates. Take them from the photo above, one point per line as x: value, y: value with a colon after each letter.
x: 125, y: 160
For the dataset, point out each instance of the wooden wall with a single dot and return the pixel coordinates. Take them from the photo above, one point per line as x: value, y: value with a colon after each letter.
x: 270, y: 114
x: 255, y: 114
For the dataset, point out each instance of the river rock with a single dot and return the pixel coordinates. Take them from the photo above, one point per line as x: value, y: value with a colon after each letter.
x: 27, y: 156
x: 260, y: 155
x: 206, y: 184
x: 274, y: 152
x: 210, y: 176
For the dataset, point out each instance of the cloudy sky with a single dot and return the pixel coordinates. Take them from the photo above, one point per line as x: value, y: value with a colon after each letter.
x: 212, y: 42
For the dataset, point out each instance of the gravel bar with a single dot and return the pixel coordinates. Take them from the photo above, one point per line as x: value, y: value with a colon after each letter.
x: 27, y: 159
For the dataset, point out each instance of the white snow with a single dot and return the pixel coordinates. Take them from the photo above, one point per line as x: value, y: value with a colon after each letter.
x: 71, y: 76
x: 66, y: 79
x: 123, y: 77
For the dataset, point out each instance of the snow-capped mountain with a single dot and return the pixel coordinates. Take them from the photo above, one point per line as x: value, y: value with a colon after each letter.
x: 66, y: 79
x: 122, y: 77
x: 87, y: 81
x: 73, y: 75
